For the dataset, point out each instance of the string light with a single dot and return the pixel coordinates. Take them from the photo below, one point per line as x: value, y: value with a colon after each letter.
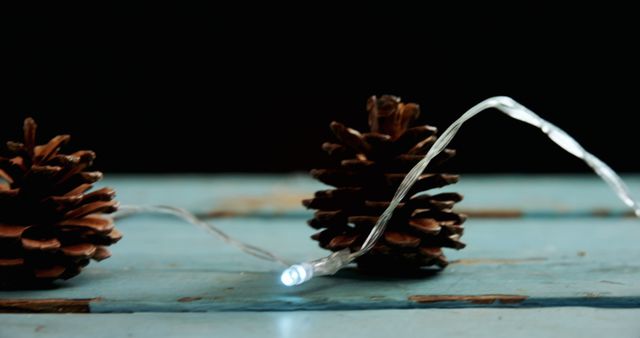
x: 300, y: 273
x: 128, y: 210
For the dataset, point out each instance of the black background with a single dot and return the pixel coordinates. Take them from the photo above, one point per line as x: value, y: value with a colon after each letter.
x: 232, y: 90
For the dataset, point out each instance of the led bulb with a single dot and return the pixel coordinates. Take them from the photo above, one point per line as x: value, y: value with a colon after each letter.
x: 296, y: 274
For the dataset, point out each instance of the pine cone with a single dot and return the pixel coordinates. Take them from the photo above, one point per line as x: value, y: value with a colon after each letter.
x: 369, y: 169
x: 50, y: 227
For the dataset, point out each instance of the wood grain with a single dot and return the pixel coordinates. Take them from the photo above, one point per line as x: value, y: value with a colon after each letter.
x: 45, y: 305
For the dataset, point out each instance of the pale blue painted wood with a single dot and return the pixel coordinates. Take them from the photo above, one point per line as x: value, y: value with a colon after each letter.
x: 263, y: 196
x: 165, y: 265
x: 485, y: 323
x: 205, y: 193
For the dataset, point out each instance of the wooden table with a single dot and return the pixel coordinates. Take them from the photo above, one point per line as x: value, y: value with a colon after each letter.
x: 553, y: 255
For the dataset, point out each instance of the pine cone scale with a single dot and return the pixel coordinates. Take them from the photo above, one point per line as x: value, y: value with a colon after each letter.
x: 47, y: 244
x: 44, y: 152
x: 11, y: 231
x: 94, y: 222
x: 83, y: 250
x: 50, y: 273
x: 101, y: 254
x: 11, y: 262
x: 91, y: 208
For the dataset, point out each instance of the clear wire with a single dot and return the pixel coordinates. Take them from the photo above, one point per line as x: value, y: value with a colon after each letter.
x: 128, y: 210
x: 509, y: 107
x: 517, y: 111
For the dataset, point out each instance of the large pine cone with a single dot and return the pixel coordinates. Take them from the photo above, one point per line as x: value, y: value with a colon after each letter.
x: 50, y: 227
x: 369, y: 168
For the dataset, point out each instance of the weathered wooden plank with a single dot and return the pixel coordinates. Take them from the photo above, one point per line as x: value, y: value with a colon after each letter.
x: 485, y: 196
x: 165, y: 265
x: 481, y: 323
x: 50, y: 305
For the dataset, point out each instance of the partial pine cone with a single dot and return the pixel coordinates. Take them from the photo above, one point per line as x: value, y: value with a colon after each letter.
x: 368, y: 170
x: 51, y: 226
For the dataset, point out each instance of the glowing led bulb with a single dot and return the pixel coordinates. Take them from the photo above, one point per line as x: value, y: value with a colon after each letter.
x: 302, y: 272
x: 296, y: 274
